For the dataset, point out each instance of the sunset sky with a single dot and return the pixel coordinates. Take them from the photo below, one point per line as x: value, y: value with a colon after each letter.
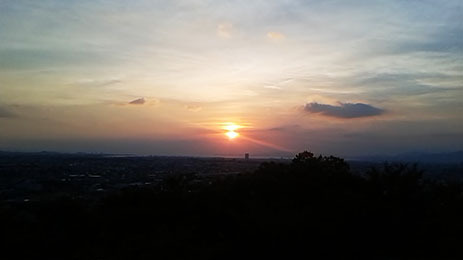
x: 170, y: 77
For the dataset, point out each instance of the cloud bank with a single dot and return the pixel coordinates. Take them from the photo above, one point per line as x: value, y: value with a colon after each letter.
x: 344, y: 110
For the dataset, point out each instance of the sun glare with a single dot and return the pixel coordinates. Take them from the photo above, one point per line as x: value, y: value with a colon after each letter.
x: 231, y: 127
x: 232, y: 134
x: 231, y: 130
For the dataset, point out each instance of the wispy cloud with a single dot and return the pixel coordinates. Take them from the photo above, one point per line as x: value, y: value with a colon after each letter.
x: 272, y: 87
x: 138, y: 101
x: 276, y: 36
x: 194, y: 108
x: 96, y: 82
x: 344, y: 110
x: 225, y: 30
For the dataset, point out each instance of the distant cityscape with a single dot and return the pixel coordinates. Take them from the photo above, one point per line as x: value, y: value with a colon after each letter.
x: 46, y: 175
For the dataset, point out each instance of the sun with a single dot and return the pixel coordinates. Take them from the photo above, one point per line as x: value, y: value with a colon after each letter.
x: 231, y: 130
x: 232, y: 134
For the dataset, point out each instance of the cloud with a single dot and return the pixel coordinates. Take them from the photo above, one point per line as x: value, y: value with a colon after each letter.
x: 139, y: 101
x: 96, y: 83
x: 5, y: 113
x: 193, y: 108
x: 224, y: 30
x: 272, y: 87
x: 344, y: 110
x: 275, y: 35
x: 408, y: 84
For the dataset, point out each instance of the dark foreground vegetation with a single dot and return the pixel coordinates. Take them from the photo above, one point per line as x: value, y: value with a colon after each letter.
x: 311, y: 208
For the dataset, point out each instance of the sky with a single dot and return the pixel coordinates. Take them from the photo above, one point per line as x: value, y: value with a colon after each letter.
x: 348, y: 78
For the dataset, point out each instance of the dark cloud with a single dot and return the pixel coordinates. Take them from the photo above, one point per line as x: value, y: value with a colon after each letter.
x: 344, y: 110
x: 5, y: 113
x: 139, y: 101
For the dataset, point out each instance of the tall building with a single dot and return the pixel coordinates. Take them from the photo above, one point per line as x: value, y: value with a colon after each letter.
x: 246, y: 156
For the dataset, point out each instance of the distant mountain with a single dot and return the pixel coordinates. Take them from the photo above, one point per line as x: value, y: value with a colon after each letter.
x: 49, y: 153
x: 419, y: 157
